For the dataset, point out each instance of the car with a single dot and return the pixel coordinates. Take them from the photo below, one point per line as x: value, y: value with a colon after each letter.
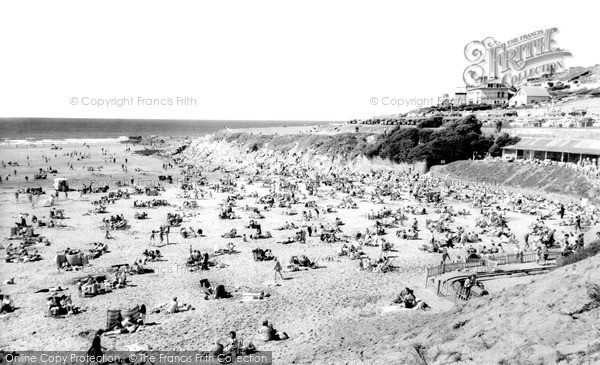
x: 578, y: 112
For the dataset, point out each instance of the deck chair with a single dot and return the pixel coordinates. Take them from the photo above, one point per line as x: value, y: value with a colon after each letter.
x: 112, y: 318
x: 315, y: 262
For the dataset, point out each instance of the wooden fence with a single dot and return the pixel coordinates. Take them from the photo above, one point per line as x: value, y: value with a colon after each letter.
x: 486, y: 265
x: 482, y: 265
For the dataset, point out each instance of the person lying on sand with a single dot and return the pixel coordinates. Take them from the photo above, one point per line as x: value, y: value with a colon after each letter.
x: 53, y: 289
x: 152, y: 254
x: 286, y: 241
x: 124, y: 325
x: 131, y: 325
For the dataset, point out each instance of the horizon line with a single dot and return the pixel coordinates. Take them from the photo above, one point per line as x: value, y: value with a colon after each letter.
x: 177, y: 119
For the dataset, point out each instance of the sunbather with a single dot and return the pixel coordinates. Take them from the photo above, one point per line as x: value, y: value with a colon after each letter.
x: 175, y: 307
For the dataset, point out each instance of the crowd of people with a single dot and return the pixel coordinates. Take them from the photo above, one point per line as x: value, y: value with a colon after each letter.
x: 410, y: 210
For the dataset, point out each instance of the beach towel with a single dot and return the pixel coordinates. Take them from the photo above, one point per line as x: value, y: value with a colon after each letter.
x: 393, y: 308
x: 133, y: 312
x: 112, y: 318
x: 250, y: 297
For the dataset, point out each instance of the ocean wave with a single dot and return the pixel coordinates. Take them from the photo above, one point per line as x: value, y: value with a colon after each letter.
x: 66, y: 141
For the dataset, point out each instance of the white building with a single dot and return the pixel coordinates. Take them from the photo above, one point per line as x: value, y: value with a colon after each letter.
x: 530, y: 94
x: 491, y: 92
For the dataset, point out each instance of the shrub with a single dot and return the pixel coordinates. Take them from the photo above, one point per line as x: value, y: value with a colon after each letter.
x: 502, y: 140
x: 431, y: 122
x: 592, y: 250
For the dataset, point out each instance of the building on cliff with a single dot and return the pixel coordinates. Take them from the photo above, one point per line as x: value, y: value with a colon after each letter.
x: 491, y: 92
x: 528, y: 95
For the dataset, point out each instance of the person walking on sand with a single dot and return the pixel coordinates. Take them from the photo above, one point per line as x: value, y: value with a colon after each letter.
x: 277, y: 269
x: 96, y: 350
x: 152, y: 237
x: 17, y: 195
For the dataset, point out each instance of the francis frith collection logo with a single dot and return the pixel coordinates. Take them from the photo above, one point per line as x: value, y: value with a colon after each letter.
x: 511, y: 62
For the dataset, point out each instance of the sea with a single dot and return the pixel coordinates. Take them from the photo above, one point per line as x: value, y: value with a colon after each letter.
x: 47, y: 130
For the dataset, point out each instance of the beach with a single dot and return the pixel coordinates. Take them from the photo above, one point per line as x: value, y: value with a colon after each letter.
x: 332, y: 314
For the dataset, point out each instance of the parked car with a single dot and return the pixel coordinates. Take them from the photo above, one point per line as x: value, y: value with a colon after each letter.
x: 578, y: 112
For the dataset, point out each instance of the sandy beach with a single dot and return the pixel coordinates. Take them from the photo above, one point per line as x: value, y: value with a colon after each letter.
x: 332, y: 314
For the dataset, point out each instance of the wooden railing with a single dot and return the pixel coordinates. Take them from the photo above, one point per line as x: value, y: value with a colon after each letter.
x: 487, y: 265
x: 480, y: 265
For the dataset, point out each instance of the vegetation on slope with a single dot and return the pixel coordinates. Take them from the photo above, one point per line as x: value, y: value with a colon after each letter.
x: 550, y: 179
x: 591, y: 250
x: 350, y: 145
x: 457, y: 140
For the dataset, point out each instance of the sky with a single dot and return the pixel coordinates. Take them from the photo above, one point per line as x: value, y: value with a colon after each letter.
x: 257, y: 60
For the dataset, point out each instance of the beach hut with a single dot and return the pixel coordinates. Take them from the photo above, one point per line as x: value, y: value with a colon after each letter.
x: 61, y: 184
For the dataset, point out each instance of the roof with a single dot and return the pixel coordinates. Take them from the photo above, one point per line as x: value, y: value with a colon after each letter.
x: 585, y: 146
x: 534, y: 91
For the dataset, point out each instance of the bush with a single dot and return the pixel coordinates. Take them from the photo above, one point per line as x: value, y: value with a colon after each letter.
x: 502, y: 140
x: 592, y: 250
x: 431, y: 122
x: 459, y: 140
